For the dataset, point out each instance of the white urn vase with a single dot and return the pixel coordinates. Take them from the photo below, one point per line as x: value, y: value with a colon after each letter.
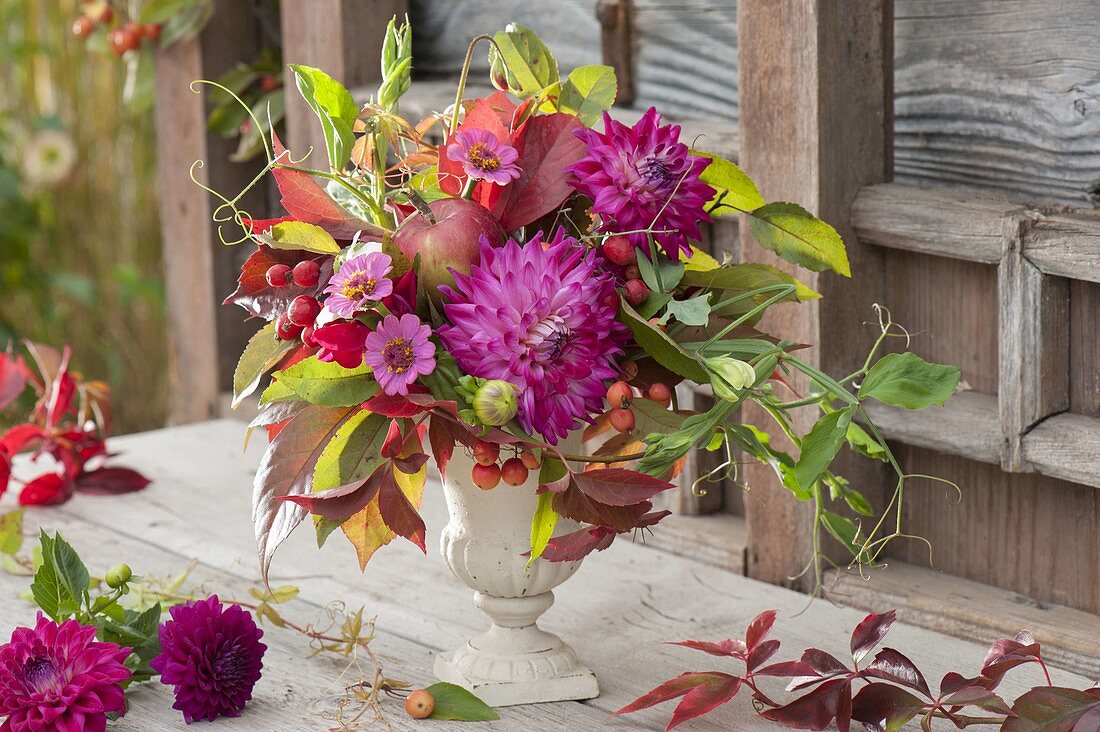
x: 514, y: 661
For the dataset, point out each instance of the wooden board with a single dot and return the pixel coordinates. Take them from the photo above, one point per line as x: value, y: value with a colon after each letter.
x: 616, y: 611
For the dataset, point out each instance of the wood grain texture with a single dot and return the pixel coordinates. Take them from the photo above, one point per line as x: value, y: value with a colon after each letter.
x: 204, y: 338
x: 1065, y: 446
x: 832, y: 64
x: 967, y: 425
x: 1084, y: 362
x: 341, y: 37
x: 1002, y: 94
x: 1065, y: 244
x: 1033, y: 317
x: 617, y: 611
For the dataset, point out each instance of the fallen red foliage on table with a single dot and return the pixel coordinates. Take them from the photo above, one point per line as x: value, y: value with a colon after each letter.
x: 894, y: 690
x: 69, y: 422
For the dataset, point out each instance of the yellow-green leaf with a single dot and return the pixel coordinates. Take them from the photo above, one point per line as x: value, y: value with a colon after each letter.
x: 588, y: 92
x: 300, y: 235
x: 328, y: 383
x: 746, y: 277
x: 542, y: 525
x: 261, y: 355
x: 663, y: 349
x: 700, y: 261
x: 527, y: 66
x: 733, y: 187
x: 353, y: 453
x: 798, y: 236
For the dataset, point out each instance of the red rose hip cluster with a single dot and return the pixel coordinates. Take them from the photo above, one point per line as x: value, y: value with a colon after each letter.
x: 298, y: 320
x: 486, y: 472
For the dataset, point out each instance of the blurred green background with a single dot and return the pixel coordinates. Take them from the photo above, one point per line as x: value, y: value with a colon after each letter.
x: 80, y: 245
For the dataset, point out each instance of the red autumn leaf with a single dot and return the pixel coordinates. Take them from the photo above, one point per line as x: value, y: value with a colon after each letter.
x: 977, y: 696
x: 307, y: 201
x: 760, y: 653
x: 885, y: 706
x: 759, y: 628
x: 618, y: 486
x: 340, y: 504
x: 410, y: 464
x: 391, y: 446
x: 394, y: 405
x: 398, y: 513
x: 62, y: 392
x: 573, y: 503
x: 255, y: 295
x: 262, y: 226
x: 46, y: 490
x: 546, y: 146
x: 869, y: 633
x: 705, y: 697
x: 13, y: 377
x: 788, y: 669
x: 5, y: 470
x: 110, y: 481
x: 892, y: 665
x: 1055, y: 709
x: 815, y: 710
x: 578, y: 544
x: 824, y: 663
x: 20, y: 436
x: 728, y: 647
x: 442, y: 437
x: 672, y: 689
x: 1008, y: 653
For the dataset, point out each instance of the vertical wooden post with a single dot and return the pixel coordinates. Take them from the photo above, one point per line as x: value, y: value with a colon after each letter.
x: 204, y: 338
x: 341, y: 37
x: 815, y: 114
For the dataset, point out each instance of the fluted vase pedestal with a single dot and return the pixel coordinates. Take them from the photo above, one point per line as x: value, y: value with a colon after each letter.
x: 514, y: 661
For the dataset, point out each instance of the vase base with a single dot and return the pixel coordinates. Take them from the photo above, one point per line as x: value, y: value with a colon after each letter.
x: 574, y: 683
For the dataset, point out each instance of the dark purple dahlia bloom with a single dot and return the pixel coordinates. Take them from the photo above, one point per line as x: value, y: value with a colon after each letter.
x: 643, y: 177
x: 59, y: 678
x: 212, y: 655
x: 538, y: 315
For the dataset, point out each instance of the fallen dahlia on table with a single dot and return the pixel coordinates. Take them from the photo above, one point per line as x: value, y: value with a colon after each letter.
x: 522, y: 267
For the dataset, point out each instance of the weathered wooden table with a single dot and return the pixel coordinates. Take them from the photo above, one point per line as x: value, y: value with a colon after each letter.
x: 616, y: 611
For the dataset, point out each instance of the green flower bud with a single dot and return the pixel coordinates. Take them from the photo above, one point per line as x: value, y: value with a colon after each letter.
x: 495, y: 402
x: 118, y: 576
x: 728, y: 376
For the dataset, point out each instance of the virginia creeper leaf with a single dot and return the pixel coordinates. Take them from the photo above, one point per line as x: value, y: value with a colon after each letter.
x: 796, y: 235
x: 263, y: 353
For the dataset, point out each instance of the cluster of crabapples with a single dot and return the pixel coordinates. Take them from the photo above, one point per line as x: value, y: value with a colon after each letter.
x: 620, y: 396
x: 619, y: 250
x: 121, y: 37
x: 488, y: 469
x: 298, y: 320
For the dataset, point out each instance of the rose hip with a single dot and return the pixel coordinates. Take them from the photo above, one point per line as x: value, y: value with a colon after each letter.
x: 513, y: 472
x: 307, y: 337
x: 278, y: 275
x: 636, y: 292
x: 621, y: 419
x: 151, y: 31
x: 529, y: 459
x: 485, y: 453
x: 619, y: 250
x: 83, y: 27
x: 619, y: 394
x: 303, y: 310
x: 632, y: 272
x: 485, y: 477
x: 306, y: 273
x: 420, y: 704
x: 659, y: 393
x: 285, y: 329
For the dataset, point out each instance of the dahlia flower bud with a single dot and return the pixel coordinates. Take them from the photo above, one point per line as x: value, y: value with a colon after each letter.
x: 729, y: 376
x: 118, y: 576
x: 495, y: 402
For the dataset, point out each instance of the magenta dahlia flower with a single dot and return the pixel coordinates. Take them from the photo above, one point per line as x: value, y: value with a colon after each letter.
x: 643, y: 177
x: 342, y: 342
x: 484, y: 157
x: 212, y: 656
x: 543, y: 318
x: 59, y: 678
x: 359, y: 281
x: 398, y: 351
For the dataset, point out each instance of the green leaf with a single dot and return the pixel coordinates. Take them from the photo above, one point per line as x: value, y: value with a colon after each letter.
x: 11, y: 532
x: 334, y: 106
x: 275, y: 595
x: 353, y: 453
x: 732, y: 185
x: 588, y: 92
x: 527, y: 65
x: 48, y: 591
x: 843, y: 530
x: 263, y: 353
x: 663, y: 349
x: 747, y: 277
x: 820, y: 446
x: 328, y: 383
x: 693, y: 311
x: 71, y: 571
x: 860, y: 441
x: 277, y: 392
x: 795, y: 234
x: 300, y: 235
x: 651, y: 418
x: 542, y: 525
x: 907, y: 380
x: 552, y: 470
x: 455, y: 703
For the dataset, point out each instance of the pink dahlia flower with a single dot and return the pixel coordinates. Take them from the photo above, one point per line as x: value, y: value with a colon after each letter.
x: 484, y: 157
x: 399, y: 352
x: 58, y: 678
x: 359, y: 281
x: 342, y: 342
x: 212, y: 656
x: 543, y: 318
x: 643, y: 177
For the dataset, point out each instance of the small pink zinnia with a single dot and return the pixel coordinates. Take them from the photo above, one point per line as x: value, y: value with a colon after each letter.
x: 484, y: 157
x: 399, y: 352
x: 342, y: 342
x: 644, y: 178
x: 359, y: 281
x: 58, y: 677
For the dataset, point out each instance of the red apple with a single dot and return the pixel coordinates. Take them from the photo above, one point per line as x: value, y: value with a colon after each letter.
x: 450, y: 241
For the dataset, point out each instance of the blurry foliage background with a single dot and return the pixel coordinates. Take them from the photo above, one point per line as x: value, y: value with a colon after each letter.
x: 80, y: 249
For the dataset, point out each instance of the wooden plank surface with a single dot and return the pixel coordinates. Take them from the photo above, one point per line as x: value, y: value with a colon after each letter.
x: 1066, y: 446
x: 967, y: 425
x: 616, y: 611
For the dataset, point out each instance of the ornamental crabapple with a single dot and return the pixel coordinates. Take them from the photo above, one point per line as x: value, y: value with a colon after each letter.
x: 514, y: 472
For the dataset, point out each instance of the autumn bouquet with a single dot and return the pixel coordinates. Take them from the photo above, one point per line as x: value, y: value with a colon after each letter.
x: 519, y: 267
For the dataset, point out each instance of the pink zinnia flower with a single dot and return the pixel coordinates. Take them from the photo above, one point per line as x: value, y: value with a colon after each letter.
x: 212, y: 655
x: 484, y: 157
x: 643, y: 177
x: 542, y: 318
x: 342, y: 342
x: 399, y: 352
x: 359, y: 281
x: 59, y: 678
